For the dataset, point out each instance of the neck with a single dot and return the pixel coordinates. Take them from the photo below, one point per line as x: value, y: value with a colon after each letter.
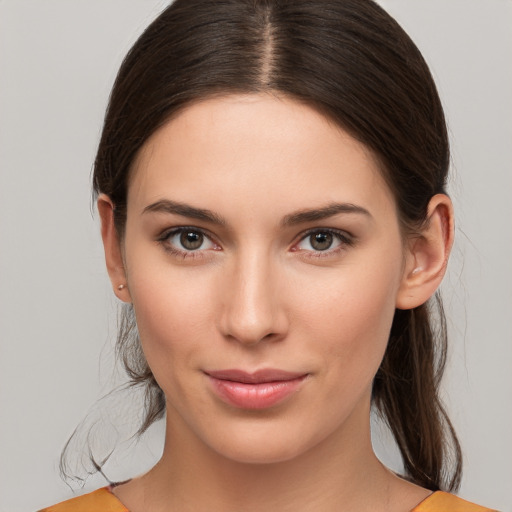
x: 340, y: 473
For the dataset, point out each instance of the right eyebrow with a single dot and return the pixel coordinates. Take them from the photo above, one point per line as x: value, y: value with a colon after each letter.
x: 185, y: 210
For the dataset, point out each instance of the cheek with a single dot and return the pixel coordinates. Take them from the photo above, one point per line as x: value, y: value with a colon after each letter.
x: 351, y: 317
x: 173, y: 327
x: 174, y: 311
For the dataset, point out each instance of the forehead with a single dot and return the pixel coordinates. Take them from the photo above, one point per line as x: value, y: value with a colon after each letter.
x: 252, y: 150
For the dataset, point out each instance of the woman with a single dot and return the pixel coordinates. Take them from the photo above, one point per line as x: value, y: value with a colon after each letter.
x: 271, y: 185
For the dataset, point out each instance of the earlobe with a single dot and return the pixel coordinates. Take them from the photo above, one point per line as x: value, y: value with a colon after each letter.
x: 112, y: 248
x: 427, y: 255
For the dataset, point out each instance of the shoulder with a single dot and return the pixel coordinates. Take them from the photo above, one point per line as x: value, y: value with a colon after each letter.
x: 445, y: 502
x: 101, y: 500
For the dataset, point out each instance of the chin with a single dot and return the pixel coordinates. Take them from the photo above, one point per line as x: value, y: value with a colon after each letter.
x: 263, y: 446
x: 259, y: 455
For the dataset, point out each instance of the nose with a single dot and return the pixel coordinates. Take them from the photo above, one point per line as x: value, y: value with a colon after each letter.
x: 253, y: 302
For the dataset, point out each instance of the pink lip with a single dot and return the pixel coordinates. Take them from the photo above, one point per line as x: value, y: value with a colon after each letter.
x: 258, y: 390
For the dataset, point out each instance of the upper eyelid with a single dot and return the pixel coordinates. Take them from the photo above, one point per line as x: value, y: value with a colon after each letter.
x: 345, y: 240
x: 340, y: 232
x: 164, y: 240
x: 177, y: 229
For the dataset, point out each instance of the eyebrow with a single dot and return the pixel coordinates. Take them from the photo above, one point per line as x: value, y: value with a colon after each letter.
x: 185, y: 210
x: 299, y: 217
x: 330, y: 210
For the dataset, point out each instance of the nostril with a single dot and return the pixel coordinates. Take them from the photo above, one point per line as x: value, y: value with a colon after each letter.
x: 252, y: 308
x: 251, y: 328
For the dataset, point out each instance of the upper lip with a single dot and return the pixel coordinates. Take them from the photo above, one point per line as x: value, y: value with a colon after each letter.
x: 257, y: 377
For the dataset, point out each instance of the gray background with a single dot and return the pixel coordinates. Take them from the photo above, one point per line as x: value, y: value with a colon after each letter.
x: 58, y: 59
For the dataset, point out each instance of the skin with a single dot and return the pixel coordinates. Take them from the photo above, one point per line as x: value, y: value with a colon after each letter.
x: 258, y: 293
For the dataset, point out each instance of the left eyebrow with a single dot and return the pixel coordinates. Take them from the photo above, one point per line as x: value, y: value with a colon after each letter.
x: 330, y: 210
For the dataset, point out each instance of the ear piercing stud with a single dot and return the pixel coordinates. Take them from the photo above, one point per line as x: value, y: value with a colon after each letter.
x: 121, y: 287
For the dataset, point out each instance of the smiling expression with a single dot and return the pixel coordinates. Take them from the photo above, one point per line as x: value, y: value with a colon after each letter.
x: 263, y: 257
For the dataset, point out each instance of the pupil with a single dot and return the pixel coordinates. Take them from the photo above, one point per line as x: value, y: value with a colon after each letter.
x: 191, y: 240
x: 321, y: 241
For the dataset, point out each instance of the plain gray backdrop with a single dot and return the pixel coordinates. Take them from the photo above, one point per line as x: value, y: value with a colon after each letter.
x: 58, y: 59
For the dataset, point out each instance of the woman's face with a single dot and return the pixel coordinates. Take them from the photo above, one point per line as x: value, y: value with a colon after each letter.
x: 264, y: 259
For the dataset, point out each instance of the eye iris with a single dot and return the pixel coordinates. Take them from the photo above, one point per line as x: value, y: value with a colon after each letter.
x: 321, y: 241
x: 191, y: 240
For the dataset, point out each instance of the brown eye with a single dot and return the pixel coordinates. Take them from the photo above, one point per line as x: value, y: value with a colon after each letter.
x: 187, y: 242
x: 191, y: 240
x: 324, y: 242
x: 321, y: 241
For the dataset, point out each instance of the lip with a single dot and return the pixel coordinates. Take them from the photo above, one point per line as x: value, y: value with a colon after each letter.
x: 257, y: 390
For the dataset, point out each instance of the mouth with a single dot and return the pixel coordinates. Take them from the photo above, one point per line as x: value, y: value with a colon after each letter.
x: 257, y: 390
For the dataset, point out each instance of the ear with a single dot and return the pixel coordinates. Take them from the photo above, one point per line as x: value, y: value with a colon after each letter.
x: 427, y: 255
x: 112, y: 247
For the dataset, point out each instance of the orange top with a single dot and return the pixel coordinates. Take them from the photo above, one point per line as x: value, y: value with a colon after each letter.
x: 103, y: 500
x: 444, y: 502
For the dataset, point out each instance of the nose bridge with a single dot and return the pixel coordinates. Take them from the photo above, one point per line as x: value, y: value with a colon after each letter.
x: 253, y: 305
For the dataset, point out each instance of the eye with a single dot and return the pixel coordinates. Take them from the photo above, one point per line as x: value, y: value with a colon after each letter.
x: 323, y: 240
x: 190, y: 240
x: 187, y: 240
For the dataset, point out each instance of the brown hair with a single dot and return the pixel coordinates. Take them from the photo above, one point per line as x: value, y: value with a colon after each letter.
x: 351, y: 61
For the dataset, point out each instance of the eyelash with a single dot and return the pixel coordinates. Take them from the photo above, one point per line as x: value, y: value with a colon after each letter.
x: 345, y: 240
x: 165, y: 237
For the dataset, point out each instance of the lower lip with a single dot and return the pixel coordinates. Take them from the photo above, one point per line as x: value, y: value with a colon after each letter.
x: 255, y: 396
